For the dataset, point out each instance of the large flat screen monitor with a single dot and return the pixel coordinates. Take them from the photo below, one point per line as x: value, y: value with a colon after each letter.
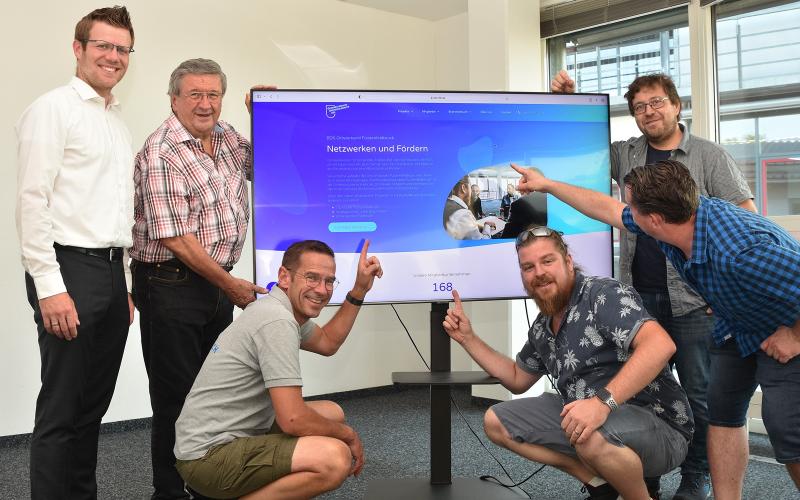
x: 425, y: 177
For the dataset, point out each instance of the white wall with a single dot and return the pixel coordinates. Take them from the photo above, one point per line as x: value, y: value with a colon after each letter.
x: 452, y: 57
x: 293, y: 44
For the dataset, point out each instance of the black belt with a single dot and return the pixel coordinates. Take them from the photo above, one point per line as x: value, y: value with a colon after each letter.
x: 111, y: 254
x: 175, y: 263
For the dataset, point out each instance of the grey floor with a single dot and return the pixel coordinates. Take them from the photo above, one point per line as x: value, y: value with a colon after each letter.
x: 393, y: 424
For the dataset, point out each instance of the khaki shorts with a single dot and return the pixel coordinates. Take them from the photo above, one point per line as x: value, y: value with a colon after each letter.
x: 240, y: 467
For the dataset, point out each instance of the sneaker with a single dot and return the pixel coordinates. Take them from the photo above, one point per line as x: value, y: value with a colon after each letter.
x: 602, y: 492
x: 653, y: 487
x: 694, y: 486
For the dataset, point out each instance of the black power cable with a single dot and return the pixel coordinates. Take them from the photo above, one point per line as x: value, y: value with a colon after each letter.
x: 466, y: 422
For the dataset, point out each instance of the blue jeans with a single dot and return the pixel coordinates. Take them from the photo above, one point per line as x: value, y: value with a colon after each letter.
x: 692, y: 336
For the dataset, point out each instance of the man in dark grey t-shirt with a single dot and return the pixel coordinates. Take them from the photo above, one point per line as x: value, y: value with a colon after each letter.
x: 245, y: 428
x: 620, y: 415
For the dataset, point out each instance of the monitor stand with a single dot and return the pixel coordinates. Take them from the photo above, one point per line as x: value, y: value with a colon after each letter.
x: 441, y: 484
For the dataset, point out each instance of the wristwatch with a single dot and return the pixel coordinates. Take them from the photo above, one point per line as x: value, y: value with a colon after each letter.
x: 353, y: 300
x: 606, y: 397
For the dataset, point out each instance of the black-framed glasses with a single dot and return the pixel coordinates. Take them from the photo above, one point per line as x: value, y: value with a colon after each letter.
x: 535, y: 232
x: 104, y: 46
x: 198, y: 96
x: 655, y: 103
x: 313, y: 280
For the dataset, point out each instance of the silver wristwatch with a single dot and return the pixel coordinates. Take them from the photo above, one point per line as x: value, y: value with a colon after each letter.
x: 606, y: 397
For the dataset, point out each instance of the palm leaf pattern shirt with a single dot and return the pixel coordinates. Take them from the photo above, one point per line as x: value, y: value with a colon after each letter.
x: 592, y: 344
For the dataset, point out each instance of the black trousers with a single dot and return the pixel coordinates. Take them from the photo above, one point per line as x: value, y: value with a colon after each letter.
x: 181, y: 315
x: 78, y: 377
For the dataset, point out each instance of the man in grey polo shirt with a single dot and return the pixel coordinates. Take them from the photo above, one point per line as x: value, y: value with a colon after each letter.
x: 620, y: 414
x: 654, y: 103
x: 245, y: 428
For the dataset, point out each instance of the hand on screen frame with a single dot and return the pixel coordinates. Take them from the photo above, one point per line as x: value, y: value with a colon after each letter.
x: 369, y: 268
x: 563, y: 83
x: 256, y: 87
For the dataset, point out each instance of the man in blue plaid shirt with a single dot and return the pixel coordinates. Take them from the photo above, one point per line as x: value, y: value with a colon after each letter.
x: 748, y: 269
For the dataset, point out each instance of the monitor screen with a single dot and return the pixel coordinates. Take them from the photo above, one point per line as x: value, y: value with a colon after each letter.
x: 425, y: 177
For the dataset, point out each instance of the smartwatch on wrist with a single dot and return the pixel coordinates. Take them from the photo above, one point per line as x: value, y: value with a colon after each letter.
x: 353, y: 300
x: 606, y: 397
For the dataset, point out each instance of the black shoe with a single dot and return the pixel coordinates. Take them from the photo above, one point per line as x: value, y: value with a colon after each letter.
x: 653, y: 487
x: 694, y: 486
x: 602, y: 492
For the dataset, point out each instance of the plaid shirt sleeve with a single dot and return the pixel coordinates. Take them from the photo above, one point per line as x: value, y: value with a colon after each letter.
x: 166, y: 200
x: 248, y: 163
x: 627, y: 220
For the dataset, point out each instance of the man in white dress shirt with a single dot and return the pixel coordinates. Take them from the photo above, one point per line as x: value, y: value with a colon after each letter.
x: 74, y: 216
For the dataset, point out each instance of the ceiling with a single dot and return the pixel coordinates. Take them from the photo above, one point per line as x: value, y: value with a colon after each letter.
x: 432, y: 10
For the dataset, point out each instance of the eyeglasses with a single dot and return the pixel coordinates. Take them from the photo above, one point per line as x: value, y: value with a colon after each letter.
x: 535, y: 232
x: 104, y: 46
x: 198, y: 96
x: 655, y: 103
x: 313, y: 280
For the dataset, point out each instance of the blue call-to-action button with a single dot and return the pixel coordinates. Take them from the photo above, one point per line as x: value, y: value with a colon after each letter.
x: 352, y: 227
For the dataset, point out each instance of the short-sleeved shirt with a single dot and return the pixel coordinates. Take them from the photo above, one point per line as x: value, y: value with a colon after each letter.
x: 716, y: 174
x: 593, y: 343
x: 182, y: 190
x: 230, y: 397
x: 745, y: 266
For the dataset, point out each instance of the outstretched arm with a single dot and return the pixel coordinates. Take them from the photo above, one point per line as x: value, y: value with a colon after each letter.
x: 459, y: 328
x: 593, y: 204
x: 188, y: 249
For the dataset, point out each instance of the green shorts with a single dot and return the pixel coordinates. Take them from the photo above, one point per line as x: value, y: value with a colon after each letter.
x: 240, y: 467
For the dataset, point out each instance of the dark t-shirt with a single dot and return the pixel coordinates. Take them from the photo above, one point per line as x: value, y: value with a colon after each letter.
x: 593, y: 343
x: 649, y: 266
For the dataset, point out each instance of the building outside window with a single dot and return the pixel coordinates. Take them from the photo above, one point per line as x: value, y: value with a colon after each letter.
x: 609, y: 58
x: 758, y: 74
x: 757, y: 50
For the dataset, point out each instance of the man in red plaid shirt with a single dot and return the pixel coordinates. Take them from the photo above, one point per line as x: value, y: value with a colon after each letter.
x: 191, y: 213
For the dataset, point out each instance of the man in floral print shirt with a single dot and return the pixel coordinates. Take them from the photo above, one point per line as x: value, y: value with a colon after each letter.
x: 620, y: 415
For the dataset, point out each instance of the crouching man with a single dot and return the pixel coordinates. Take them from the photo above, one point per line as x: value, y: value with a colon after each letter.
x: 245, y: 430
x: 620, y: 415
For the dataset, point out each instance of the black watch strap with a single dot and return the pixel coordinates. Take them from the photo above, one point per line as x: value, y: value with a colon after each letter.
x: 606, y: 397
x: 353, y: 300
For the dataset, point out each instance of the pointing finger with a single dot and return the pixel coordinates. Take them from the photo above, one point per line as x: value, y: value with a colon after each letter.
x: 364, y: 248
x: 521, y: 170
x: 457, y: 299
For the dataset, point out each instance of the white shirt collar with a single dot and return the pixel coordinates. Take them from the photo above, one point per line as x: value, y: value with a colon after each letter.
x: 459, y: 201
x: 86, y: 92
